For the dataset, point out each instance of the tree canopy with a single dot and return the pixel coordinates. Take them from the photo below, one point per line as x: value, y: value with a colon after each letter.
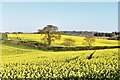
x: 51, y: 33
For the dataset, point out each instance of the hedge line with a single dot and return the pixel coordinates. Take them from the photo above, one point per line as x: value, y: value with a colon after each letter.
x: 45, y: 47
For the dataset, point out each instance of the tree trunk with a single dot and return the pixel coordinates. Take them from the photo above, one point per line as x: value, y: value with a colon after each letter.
x: 49, y: 39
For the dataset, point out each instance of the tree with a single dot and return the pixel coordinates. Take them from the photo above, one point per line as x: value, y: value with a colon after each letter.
x: 51, y: 33
x: 118, y: 37
x: 89, y: 40
x: 68, y: 42
x: 113, y: 34
x: 40, y: 31
x: 4, y: 36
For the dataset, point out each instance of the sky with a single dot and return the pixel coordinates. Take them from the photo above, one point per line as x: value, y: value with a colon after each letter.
x: 60, y: 0
x: 67, y: 16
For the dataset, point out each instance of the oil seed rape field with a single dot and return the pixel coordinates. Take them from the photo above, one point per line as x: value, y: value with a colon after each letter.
x: 78, y: 40
x: 19, y: 63
x: 71, y: 65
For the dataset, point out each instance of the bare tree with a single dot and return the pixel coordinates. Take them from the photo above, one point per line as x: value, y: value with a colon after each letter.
x: 89, y: 40
x: 68, y: 42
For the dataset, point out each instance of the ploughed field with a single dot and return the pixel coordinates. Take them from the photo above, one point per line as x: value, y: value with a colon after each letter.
x: 29, y: 63
x: 78, y: 40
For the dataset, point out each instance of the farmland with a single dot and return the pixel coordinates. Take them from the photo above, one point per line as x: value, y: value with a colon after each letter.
x: 60, y: 40
x: 27, y: 63
x: 78, y: 40
x: 19, y: 62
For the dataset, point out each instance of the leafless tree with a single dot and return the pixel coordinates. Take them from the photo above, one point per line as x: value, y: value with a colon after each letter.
x: 89, y: 40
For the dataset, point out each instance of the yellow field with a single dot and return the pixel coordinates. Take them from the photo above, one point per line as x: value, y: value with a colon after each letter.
x: 20, y: 62
x: 30, y: 63
x: 79, y: 40
x: 14, y: 54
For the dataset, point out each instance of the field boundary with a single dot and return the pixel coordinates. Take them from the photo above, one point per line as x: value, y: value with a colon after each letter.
x: 45, y: 47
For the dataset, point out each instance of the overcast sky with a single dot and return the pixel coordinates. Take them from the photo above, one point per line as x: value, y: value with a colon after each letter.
x: 79, y: 16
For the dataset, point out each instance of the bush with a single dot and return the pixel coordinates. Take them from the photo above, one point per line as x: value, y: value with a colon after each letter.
x: 68, y: 42
x: 4, y: 36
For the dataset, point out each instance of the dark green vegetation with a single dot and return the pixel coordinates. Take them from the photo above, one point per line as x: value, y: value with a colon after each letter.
x: 4, y: 36
x: 45, y: 47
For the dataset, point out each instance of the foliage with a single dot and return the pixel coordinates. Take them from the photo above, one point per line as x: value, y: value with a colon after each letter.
x: 53, y: 37
x: 4, y: 36
x: 68, y: 42
x: 50, y: 32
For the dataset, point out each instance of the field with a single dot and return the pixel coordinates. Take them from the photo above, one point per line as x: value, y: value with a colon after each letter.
x: 25, y: 63
x: 19, y: 62
x: 79, y: 40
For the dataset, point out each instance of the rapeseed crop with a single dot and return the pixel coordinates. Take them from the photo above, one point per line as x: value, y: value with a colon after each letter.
x: 27, y: 63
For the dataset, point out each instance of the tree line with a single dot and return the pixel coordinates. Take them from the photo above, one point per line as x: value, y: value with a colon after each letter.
x: 51, y: 34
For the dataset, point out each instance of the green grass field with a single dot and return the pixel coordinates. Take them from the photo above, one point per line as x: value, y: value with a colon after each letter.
x: 20, y: 62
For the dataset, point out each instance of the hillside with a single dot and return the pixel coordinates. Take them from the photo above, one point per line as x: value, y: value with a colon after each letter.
x: 24, y: 62
x: 79, y: 40
x: 29, y: 63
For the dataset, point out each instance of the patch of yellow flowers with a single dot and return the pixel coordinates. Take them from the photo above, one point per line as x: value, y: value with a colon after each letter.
x: 59, y: 65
